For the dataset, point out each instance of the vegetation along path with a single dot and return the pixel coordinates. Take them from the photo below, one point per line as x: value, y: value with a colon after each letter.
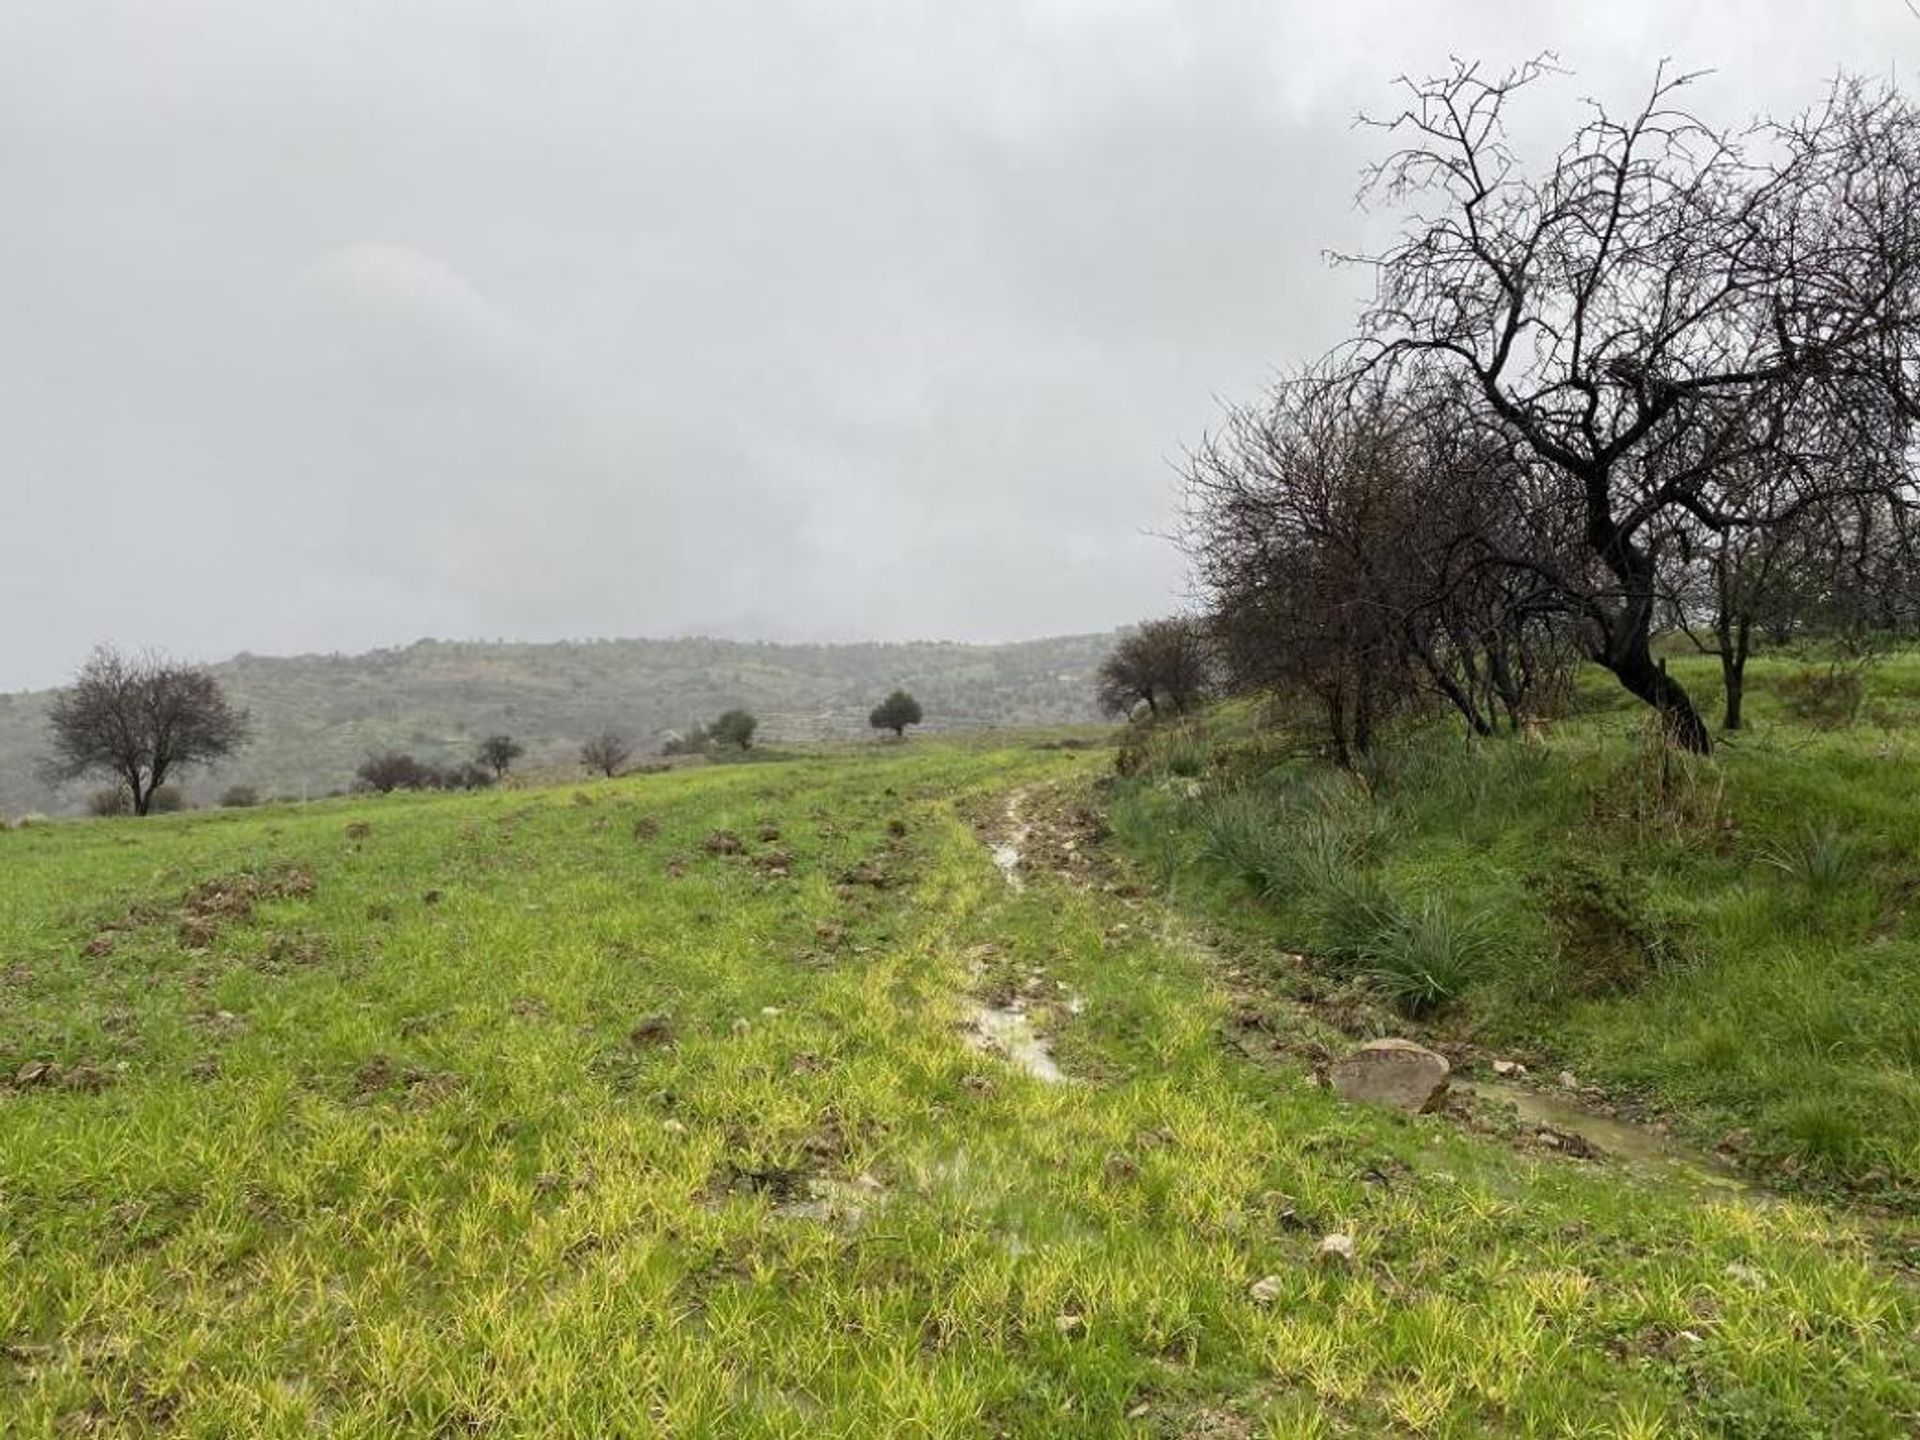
x: 665, y: 1107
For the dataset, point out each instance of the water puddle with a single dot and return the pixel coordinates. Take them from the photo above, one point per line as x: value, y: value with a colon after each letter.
x: 1632, y: 1146
x: 1006, y: 855
x: 1006, y: 1031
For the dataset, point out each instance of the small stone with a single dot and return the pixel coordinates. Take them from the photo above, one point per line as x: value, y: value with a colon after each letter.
x: 1569, y: 1081
x: 1395, y: 1073
x: 1509, y: 1068
x: 1070, y: 1324
x: 742, y: 1025
x: 1337, y: 1248
x: 770, y: 1011
x: 673, y: 1127
x: 1266, y: 1290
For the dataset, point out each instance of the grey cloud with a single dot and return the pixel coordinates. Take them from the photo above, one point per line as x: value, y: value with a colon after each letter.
x: 326, y: 325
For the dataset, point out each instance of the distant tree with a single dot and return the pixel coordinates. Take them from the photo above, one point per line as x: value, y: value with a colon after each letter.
x: 733, y: 727
x: 606, y: 752
x: 498, y: 752
x: 138, y: 719
x: 395, y: 770
x: 239, y: 797
x: 168, y: 800
x: 108, y: 801
x: 895, y: 713
x: 1163, y: 662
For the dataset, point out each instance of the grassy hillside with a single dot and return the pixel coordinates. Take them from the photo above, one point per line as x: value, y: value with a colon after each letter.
x: 1730, y: 941
x: 559, y: 1112
x: 317, y: 716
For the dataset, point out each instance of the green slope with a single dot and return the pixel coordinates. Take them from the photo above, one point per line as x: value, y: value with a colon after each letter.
x: 534, y: 1114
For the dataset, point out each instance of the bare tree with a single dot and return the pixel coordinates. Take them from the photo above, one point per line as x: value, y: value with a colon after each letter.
x: 139, y: 719
x: 607, y: 752
x: 1663, y: 306
x: 498, y: 752
x: 1161, y: 662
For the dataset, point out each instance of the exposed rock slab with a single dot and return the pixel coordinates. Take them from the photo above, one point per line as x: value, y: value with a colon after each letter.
x: 1395, y: 1073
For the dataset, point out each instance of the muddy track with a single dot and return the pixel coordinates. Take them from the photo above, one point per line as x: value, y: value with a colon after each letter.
x: 1056, y: 834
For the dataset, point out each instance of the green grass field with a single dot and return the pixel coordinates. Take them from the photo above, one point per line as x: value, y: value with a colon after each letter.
x: 1730, y: 942
x: 533, y: 1113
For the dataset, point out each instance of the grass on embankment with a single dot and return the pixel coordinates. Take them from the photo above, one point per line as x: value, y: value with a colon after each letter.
x: 368, y: 1137
x: 1730, y: 937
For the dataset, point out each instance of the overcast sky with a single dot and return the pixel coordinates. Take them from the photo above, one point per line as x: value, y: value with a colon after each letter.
x: 327, y: 324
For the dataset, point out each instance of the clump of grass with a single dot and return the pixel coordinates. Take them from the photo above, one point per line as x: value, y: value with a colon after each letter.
x: 1422, y: 957
x: 1345, y: 915
x: 1187, y: 761
x: 1243, y: 835
x: 1290, y: 839
x: 1819, y: 857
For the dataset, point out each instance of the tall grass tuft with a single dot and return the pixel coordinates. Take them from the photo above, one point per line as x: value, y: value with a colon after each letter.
x: 1819, y: 857
x: 1423, y: 957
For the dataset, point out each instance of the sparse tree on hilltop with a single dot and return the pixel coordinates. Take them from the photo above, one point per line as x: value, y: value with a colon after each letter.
x: 734, y: 727
x: 607, y: 752
x: 895, y: 713
x: 498, y: 752
x: 1163, y: 662
x: 139, y: 719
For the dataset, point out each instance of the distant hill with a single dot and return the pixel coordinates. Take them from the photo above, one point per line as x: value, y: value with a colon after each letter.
x: 317, y: 716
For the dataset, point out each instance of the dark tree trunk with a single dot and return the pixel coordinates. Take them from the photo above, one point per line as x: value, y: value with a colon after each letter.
x: 1649, y: 680
x: 1734, y: 648
x: 1336, y: 703
x: 1627, y: 650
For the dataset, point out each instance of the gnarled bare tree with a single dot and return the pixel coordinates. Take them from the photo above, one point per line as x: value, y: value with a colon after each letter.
x: 1360, y: 543
x: 140, y: 719
x: 1662, y: 308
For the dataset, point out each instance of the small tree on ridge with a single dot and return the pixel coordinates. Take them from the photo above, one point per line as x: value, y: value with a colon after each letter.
x: 895, y: 713
x: 607, y: 752
x: 498, y: 752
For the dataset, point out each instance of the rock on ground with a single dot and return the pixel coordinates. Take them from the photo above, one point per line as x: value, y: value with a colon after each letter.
x: 1396, y: 1073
